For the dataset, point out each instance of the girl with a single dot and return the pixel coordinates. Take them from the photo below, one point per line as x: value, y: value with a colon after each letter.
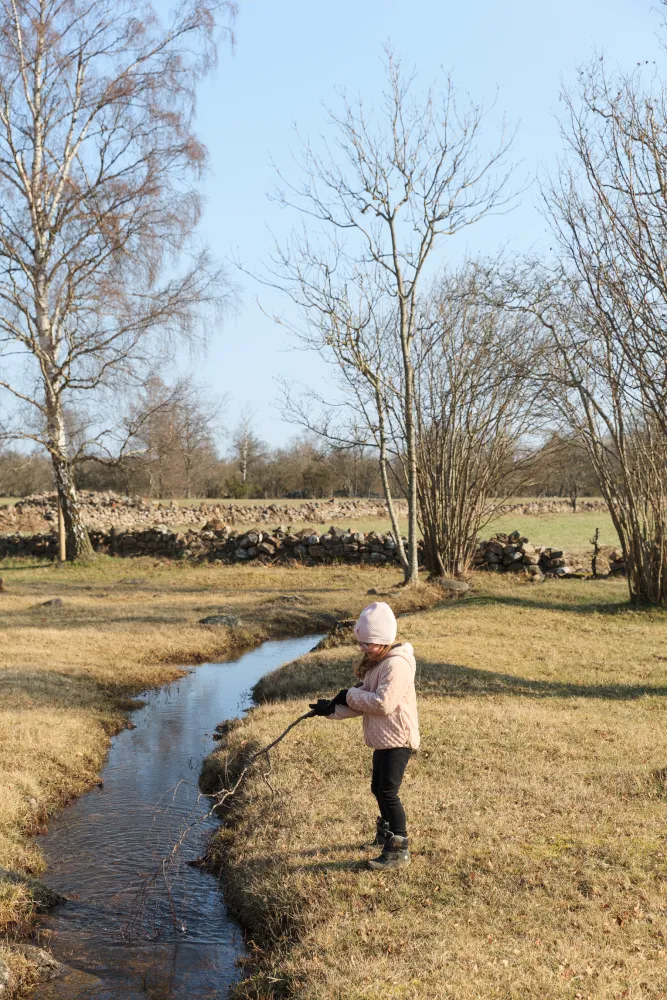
x: 385, y: 698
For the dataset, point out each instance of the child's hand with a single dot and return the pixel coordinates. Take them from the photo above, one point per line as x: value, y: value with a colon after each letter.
x: 323, y: 706
x: 341, y: 698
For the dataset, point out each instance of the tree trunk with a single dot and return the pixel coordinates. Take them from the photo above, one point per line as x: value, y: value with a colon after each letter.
x: 78, y: 544
x: 387, y: 489
x: 412, y: 576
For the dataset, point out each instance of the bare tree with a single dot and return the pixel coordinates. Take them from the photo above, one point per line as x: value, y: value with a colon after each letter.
x: 198, y: 416
x: 247, y: 447
x: 608, y: 209
x: 22, y: 474
x: 476, y: 399
x: 97, y: 158
x: 562, y: 467
x: 378, y: 205
x: 356, y: 335
x: 171, y: 438
x: 591, y: 384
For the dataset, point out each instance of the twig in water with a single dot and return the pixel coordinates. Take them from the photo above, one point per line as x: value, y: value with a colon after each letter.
x: 221, y: 797
x: 218, y: 799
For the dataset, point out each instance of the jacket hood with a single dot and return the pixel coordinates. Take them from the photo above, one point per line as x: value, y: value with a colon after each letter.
x: 406, y: 648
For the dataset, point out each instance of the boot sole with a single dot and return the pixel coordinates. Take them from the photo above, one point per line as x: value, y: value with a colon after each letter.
x: 378, y: 866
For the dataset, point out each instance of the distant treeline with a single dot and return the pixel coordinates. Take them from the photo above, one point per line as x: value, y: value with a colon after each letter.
x: 171, y: 467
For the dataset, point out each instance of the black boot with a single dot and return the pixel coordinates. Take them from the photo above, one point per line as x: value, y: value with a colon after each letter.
x: 395, y: 854
x: 382, y: 829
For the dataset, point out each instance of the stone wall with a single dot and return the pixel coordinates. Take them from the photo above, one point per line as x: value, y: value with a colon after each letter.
x: 513, y: 553
x: 217, y: 542
x: 555, y: 505
x: 104, y: 510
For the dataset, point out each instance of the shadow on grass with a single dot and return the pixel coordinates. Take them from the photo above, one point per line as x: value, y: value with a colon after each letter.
x: 56, y: 619
x: 23, y: 569
x: 535, y: 599
x: 535, y: 602
x: 314, y: 676
x: 38, y: 690
x: 453, y: 680
x: 270, y: 863
x: 332, y: 849
x: 358, y: 864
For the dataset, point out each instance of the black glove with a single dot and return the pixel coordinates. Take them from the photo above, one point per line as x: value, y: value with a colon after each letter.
x: 323, y: 707
x: 341, y: 698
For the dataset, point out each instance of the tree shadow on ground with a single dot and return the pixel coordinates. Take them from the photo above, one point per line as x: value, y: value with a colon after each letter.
x: 23, y: 569
x: 37, y: 690
x: 537, y: 602
x: 37, y: 617
x: 454, y: 680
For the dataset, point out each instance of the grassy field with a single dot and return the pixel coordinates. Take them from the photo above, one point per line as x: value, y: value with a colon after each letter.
x: 536, y: 807
x: 68, y: 674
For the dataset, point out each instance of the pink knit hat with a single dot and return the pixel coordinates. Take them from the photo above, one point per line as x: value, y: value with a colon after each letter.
x: 376, y: 624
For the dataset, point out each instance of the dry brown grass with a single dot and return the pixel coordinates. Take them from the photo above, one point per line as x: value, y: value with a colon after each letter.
x: 68, y: 674
x: 537, y: 811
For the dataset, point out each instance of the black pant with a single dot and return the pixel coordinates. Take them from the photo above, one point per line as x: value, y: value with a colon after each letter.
x: 388, y: 770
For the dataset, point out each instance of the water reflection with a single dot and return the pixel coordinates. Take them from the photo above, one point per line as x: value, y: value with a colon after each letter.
x: 140, y: 923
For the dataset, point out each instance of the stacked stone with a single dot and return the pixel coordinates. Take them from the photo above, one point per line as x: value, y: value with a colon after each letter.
x: 40, y: 545
x: 106, y: 509
x: 217, y: 542
x: 282, y: 543
x: 555, y: 505
x: 513, y: 553
x: 610, y: 561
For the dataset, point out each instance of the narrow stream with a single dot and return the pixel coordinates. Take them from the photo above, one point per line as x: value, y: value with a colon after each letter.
x: 128, y: 930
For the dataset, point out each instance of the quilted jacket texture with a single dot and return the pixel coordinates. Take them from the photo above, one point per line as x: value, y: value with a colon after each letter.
x: 387, y: 702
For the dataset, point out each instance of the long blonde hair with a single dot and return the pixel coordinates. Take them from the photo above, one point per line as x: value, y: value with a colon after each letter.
x: 370, y: 660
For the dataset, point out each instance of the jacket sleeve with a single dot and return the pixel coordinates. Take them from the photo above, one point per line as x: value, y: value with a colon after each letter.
x: 344, y: 712
x: 394, y: 684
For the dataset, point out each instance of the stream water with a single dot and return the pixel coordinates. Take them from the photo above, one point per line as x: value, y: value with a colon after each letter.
x: 130, y: 929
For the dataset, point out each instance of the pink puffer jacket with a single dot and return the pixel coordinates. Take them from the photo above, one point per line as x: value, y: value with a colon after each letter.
x: 387, y: 701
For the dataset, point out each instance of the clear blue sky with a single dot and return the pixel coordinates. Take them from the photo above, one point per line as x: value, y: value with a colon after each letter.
x: 289, y: 58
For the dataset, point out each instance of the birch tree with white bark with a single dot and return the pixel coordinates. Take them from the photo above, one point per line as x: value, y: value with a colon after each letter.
x: 98, y: 205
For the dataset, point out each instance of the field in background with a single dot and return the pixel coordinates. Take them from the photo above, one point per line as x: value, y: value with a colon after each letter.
x: 571, y: 532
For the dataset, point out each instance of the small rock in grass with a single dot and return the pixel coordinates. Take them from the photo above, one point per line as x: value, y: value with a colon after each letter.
x: 44, y: 964
x: 230, y: 620
x: 451, y: 585
x: 43, y: 895
x: 373, y: 591
x: 55, y: 602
